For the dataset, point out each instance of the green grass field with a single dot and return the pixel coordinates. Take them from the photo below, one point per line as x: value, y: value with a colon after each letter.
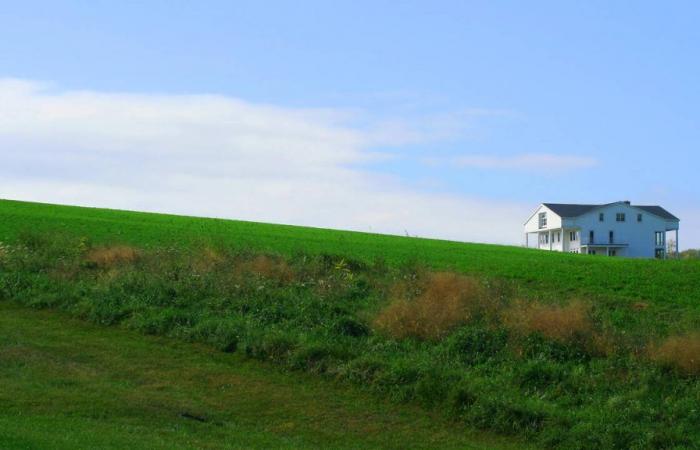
x: 565, y: 351
x: 70, y: 385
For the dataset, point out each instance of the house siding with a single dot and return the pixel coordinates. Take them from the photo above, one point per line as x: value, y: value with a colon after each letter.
x: 636, y: 239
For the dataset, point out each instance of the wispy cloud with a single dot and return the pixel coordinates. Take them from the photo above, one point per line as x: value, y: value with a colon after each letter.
x: 528, y: 161
x: 223, y: 157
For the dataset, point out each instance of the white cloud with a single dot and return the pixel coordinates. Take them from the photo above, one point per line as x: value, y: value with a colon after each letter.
x: 528, y: 161
x: 223, y: 157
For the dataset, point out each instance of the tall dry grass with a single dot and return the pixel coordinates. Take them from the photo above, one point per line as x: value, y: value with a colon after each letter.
x: 207, y: 260
x: 445, y: 301
x: 679, y: 352
x: 560, y: 323
x: 265, y: 266
x: 105, y: 257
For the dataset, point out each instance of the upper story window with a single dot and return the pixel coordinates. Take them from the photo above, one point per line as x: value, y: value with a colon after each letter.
x: 639, y: 217
x: 573, y: 236
x: 601, y: 217
x: 543, y: 220
x: 620, y: 217
x: 660, y: 238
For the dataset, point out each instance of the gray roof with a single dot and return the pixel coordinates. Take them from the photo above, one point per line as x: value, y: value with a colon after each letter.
x: 659, y: 211
x: 570, y: 210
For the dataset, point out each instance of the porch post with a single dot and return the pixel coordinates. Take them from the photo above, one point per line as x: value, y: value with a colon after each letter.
x: 550, y: 240
x: 678, y: 249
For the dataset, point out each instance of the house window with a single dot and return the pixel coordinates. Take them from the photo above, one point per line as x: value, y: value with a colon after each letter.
x: 620, y: 217
x: 611, y: 237
x: 659, y: 253
x: 591, y: 237
x: 601, y: 217
x: 639, y: 217
x: 543, y: 220
x: 613, y: 252
x: 572, y: 236
x: 660, y: 238
x: 559, y: 236
x: 591, y: 251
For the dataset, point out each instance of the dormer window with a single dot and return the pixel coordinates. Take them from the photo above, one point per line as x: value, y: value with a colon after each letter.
x: 543, y: 220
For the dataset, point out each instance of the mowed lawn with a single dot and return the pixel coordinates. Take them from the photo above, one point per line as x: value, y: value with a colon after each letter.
x: 66, y: 384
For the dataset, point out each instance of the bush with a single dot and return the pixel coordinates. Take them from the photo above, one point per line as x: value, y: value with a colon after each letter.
x: 446, y: 301
x: 477, y: 344
x: 223, y: 334
x: 161, y: 321
x: 681, y: 353
x: 560, y: 323
x: 275, y: 346
x: 105, y: 257
x: 349, y: 326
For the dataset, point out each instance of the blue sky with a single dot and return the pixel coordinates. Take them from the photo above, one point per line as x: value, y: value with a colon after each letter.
x: 438, y: 113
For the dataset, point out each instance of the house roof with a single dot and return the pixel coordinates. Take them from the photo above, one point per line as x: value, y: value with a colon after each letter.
x: 659, y: 211
x: 571, y: 210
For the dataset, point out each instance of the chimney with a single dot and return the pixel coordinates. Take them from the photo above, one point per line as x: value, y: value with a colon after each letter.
x: 627, y: 202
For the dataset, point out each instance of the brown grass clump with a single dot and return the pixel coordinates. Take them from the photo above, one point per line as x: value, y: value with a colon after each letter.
x: 110, y: 256
x: 446, y: 301
x: 208, y: 259
x: 680, y: 352
x: 266, y: 267
x: 560, y: 323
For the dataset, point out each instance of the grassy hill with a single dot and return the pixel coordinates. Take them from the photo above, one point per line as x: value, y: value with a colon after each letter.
x: 568, y: 351
x: 70, y: 385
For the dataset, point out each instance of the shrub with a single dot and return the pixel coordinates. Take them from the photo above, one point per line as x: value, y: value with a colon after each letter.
x: 560, y: 323
x: 474, y: 344
x: 348, y: 326
x: 446, y: 301
x: 275, y: 346
x: 207, y: 259
x: 223, y: 334
x: 105, y: 257
x: 319, y: 356
x: 679, y: 352
x: 161, y: 321
x: 266, y: 266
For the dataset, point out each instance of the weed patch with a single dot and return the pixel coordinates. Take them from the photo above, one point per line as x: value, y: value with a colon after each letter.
x: 445, y: 301
x: 679, y: 352
x: 106, y: 257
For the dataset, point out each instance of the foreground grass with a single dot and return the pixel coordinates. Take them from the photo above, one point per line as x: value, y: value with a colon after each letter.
x: 67, y: 384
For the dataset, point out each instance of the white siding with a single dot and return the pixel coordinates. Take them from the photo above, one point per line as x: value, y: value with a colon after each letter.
x: 635, y: 239
x: 553, y: 220
x: 639, y: 236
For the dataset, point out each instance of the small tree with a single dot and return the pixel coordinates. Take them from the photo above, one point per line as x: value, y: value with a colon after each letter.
x: 671, y: 249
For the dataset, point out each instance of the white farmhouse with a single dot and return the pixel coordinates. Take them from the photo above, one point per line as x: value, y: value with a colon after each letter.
x: 613, y: 229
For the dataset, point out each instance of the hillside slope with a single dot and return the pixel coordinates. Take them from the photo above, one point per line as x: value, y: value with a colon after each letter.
x: 568, y: 351
x: 70, y: 385
x: 667, y: 284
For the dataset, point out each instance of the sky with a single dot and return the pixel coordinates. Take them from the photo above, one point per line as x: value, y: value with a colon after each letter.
x: 445, y: 119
